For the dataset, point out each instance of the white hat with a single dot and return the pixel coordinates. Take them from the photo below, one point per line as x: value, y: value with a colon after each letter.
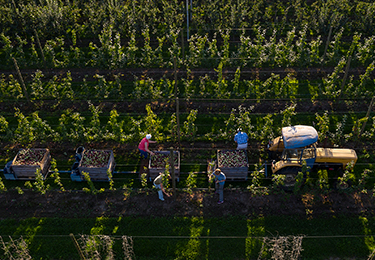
x: 148, y: 136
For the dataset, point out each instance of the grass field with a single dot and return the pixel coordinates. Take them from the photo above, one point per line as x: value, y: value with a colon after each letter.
x: 197, y: 237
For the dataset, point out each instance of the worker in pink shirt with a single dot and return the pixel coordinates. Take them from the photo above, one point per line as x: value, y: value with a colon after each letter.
x: 143, y: 146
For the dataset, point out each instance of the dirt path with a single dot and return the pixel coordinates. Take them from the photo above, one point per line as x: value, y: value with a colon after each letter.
x: 199, y: 203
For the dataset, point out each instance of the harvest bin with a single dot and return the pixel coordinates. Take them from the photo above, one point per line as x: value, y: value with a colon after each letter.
x: 157, y: 163
x: 233, y: 163
x: 97, y: 167
x: 26, y: 163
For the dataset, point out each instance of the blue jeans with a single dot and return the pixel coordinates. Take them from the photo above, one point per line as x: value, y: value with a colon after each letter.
x: 143, y: 153
x: 220, y: 190
x: 242, y: 146
x: 160, y: 192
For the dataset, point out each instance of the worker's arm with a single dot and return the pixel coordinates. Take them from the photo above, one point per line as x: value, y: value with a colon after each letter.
x: 162, y: 189
x: 147, y: 150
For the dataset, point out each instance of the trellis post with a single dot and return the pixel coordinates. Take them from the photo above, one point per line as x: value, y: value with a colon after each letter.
x: 177, y: 102
x: 172, y: 171
x: 21, y: 79
x: 367, y: 115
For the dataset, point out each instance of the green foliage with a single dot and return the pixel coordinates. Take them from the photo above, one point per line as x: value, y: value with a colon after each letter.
x: 56, y: 88
x: 188, y: 85
x: 334, y: 51
x: 173, y: 128
x: 111, y: 181
x: 322, y: 125
x: 94, y: 131
x: 266, y: 132
x: 278, y: 181
x: 91, y: 189
x: 256, y: 181
x: 166, y: 174
x: 225, y: 53
x: 72, y: 126
x: 19, y: 189
x: 39, y: 184
x: 146, y: 89
x: 10, y: 89
x: 236, y: 83
x: 288, y: 113
x: 356, y: 129
x: 144, y: 180
x: 189, y: 128
x: 114, y: 128
x: 322, y: 181
x: 338, y: 136
x: 197, y: 52
x: 42, y: 131
x: 130, y: 51
x: 344, y: 181
x: 242, y: 119
x: 56, y: 175
x: 220, y: 87
x: 147, y: 53
x: 24, y: 132
x: 2, y: 186
x: 153, y: 124
x: 333, y: 82
x: 363, y: 89
x: 210, y: 170
x: 365, y: 176
x: 301, y: 178
x: 191, y: 182
x: 110, y: 54
x: 4, y: 128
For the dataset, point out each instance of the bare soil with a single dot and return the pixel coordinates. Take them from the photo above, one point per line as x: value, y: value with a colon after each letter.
x: 78, y: 204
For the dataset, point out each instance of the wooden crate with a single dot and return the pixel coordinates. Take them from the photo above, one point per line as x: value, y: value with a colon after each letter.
x: 233, y: 172
x: 154, y: 171
x: 98, y: 173
x: 27, y: 172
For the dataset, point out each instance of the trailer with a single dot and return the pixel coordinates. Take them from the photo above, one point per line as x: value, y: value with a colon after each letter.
x: 97, y: 163
x: 27, y: 162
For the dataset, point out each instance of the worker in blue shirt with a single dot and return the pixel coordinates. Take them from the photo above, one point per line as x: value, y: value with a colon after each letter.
x: 241, y: 139
x: 219, y: 184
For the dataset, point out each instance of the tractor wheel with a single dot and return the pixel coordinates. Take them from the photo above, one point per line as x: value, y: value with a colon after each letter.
x: 290, y: 174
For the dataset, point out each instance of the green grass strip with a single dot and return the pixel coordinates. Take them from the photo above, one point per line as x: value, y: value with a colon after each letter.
x: 197, y: 237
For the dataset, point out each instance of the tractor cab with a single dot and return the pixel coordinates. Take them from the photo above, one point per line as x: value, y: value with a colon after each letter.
x: 292, y: 137
x: 295, y: 158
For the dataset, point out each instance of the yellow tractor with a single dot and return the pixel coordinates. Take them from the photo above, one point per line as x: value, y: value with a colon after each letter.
x: 298, y: 144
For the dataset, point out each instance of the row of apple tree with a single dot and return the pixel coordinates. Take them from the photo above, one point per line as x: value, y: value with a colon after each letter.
x: 333, y: 86
x: 96, y: 126
x: 55, y: 17
x: 263, y: 49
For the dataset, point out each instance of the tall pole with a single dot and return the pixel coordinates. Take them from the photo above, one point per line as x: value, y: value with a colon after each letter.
x: 21, y: 79
x: 187, y: 19
x: 345, y: 75
x: 172, y: 171
x: 177, y: 102
x: 77, y: 247
x: 367, y: 115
